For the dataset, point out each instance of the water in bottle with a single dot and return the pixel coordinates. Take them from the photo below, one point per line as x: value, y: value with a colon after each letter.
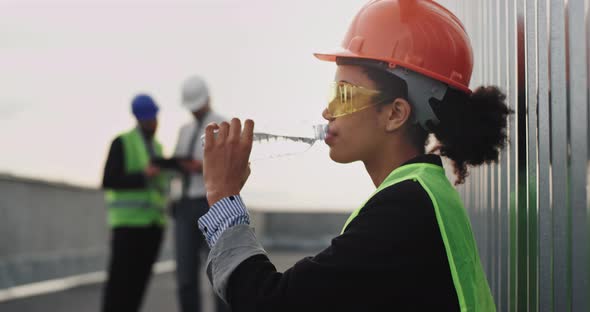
x: 268, y: 145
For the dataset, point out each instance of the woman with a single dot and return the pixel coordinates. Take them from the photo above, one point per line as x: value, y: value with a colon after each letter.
x: 403, y: 74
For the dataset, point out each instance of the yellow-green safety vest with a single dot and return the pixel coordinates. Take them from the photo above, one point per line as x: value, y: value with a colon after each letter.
x: 469, y: 278
x: 138, y: 207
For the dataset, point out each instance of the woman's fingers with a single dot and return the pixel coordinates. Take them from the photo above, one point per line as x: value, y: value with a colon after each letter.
x: 222, y: 134
x: 235, y: 131
x: 248, y: 136
x: 210, y: 135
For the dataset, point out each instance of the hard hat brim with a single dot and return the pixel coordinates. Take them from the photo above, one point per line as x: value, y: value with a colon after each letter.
x: 332, y: 55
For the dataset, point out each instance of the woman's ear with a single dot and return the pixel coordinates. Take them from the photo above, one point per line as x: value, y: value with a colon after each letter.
x: 397, y: 114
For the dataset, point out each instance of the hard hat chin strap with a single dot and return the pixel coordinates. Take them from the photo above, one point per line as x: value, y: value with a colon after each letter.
x: 421, y: 89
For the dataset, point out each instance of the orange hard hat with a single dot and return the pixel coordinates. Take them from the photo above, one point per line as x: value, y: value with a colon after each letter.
x: 419, y: 35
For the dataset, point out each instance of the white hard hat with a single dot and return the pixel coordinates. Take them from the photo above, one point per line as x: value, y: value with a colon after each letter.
x: 195, y: 94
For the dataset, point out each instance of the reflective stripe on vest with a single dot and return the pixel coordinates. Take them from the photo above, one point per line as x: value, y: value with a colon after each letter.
x: 469, y: 278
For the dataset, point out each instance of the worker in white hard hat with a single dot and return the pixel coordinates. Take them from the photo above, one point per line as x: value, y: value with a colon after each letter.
x: 191, y: 203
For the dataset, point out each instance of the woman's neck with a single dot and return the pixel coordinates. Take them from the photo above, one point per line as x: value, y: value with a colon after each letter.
x: 383, y: 163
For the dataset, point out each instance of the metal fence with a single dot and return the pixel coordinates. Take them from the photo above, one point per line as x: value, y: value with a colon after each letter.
x: 530, y: 210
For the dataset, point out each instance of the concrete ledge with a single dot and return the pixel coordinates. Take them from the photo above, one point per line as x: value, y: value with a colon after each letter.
x: 54, y: 230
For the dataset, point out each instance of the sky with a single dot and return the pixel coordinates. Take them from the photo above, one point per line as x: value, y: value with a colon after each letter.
x: 69, y: 69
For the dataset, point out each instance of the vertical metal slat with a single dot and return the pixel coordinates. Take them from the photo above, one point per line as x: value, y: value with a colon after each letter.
x: 559, y: 156
x: 578, y: 105
x: 532, y: 95
x: 544, y: 143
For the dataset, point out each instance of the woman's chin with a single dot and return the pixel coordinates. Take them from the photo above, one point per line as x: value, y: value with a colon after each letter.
x: 340, y: 157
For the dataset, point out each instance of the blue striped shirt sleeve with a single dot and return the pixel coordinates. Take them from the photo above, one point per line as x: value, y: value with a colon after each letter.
x: 228, y: 212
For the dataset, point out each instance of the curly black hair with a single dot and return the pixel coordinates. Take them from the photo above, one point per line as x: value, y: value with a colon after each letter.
x: 472, y: 128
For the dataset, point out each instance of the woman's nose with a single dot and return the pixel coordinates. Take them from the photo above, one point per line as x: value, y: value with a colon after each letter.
x: 326, y: 115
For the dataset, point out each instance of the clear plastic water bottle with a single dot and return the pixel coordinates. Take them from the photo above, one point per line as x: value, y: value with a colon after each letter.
x: 268, y: 145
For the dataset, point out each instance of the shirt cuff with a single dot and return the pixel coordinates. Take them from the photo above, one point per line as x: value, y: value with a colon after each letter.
x: 227, y: 212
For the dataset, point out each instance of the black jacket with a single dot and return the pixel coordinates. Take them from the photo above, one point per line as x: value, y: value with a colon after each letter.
x: 390, y: 258
x: 115, y: 176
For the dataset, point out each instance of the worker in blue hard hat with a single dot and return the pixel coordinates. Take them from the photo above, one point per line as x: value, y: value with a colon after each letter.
x: 135, y: 196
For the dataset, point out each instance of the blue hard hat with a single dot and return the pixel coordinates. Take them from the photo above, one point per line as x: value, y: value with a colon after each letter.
x: 144, y: 107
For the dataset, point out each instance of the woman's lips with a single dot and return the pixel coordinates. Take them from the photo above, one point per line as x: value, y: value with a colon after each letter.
x: 330, y: 137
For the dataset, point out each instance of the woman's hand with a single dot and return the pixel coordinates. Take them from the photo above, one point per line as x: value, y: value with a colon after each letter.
x: 225, y: 165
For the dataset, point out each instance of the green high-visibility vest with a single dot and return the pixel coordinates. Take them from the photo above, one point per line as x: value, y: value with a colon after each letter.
x: 140, y: 207
x: 469, y: 279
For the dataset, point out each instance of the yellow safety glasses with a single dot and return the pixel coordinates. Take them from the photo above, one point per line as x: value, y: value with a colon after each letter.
x: 346, y: 98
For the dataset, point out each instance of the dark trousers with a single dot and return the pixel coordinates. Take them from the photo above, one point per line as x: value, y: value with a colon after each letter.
x: 190, y: 244
x: 133, y: 252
